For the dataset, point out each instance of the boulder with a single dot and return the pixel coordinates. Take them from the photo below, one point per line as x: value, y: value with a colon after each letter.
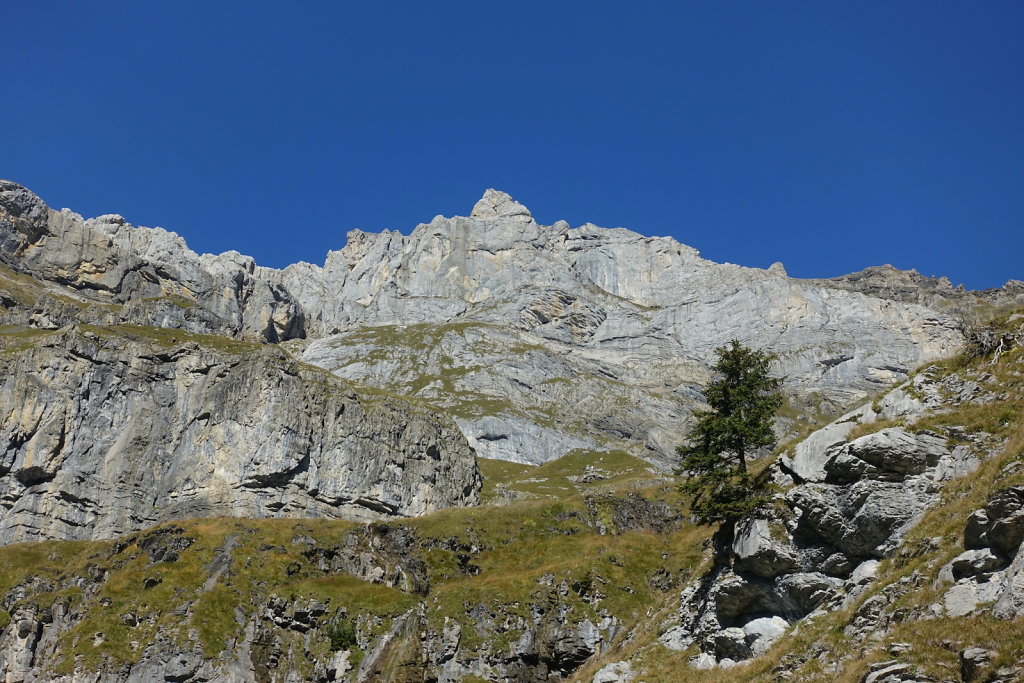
x: 972, y: 563
x: 616, y: 672
x: 762, y: 547
x: 976, y: 530
x: 891, y: 454
x: 811, y: 454
x: 799, y: 594
x: 703, y: 662
x: 1010, y: 603
x: 973, y: 661
x: 865, y: 519
x: 731, y: 643
x: 762, y: 632
x: 1005, y: 510
x: 967, y: 595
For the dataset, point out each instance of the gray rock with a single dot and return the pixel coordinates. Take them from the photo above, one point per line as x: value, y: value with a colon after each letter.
x: 703, y: 662
x: 1010, y: 602
x: 888, y: 671
x: 676, y: 638
x: 865, y: 572
x: 761, y: 633
x: 108, y: 434
x: 976, y: 531
x: 909, y: 286
x: 598, y: 338
x: 973, y: 661
x: 967, y: 595
x: 109, y: 261
x: 972, y: 563
x: 960, y: 462
x: 862, y: 519
x: 616, y: 672
x: 812, y: 453
x: 799, y: 594
x: 1005, y: 511
x: 495, y: 204
x: 757, y: 550
x: 889, y: 454
x: 731, y: 643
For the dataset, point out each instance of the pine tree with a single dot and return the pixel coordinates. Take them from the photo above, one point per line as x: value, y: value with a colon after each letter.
x: 743, y: 398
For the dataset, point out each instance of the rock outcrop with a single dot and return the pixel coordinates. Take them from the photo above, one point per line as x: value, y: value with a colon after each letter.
x: 106, y: 260
x: 847, y: 504
x: 106, y: 431
x: 601, y: 335
x: 909, y: 286
x: 991, y: 569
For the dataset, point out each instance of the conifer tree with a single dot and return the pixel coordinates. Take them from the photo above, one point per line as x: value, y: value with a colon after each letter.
x: 743, y: 398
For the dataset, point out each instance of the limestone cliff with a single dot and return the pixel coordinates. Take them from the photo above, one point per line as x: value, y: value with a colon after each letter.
x: 109, y: 430
x: 538, y: 339
x: 106, y: 260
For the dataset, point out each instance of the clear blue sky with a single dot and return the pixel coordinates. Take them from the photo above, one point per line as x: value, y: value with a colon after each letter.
x: 830, y: 136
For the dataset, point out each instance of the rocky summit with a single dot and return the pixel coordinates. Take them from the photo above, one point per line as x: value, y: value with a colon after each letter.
x: 448, y: 455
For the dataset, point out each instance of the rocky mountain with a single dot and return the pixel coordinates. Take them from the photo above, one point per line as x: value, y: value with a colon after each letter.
x: 446, y: 456
x: 536, y: 339
x: 892, y: 552
x: 887, y: 282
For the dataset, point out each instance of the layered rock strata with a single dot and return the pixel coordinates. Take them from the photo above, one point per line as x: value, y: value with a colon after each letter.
x: 539, y: 339
x: 108, y: 431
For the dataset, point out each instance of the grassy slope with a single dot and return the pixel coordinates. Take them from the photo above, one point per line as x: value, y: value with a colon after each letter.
x: 541, y: 531
x: 516, y: 546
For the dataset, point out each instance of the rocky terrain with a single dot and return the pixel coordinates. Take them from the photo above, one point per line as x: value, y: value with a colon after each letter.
x: 446, y: 456
x: 536, y: 339
x: 887, y: 282
x: 892, y: 553
x: 110, y: 430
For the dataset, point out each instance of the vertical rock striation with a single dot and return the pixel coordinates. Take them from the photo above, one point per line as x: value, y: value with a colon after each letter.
x: 108, y: 432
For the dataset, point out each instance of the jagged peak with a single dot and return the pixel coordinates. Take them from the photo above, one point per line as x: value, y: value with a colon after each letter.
x: 497, y: 204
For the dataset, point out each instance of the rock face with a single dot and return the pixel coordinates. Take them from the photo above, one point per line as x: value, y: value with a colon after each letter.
x: 601, y: 334
x: 992, y: 567
x: 108, y: 432
x: 849, y: 503
x: 107, y: 260
x: 538, y: 339
x: 887, y: 282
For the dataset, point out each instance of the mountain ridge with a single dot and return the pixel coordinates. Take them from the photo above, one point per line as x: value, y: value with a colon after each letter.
x: 628, y: 323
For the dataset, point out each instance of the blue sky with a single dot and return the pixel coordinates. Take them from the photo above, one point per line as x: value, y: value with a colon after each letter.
x: 829, y: 136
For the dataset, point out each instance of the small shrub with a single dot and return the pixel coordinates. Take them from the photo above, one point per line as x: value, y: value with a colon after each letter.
x: 990, y: 339
x: 342, y: 635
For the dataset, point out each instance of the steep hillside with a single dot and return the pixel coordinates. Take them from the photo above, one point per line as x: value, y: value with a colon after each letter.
x: 906, y: 567
x: 894, y: 545
x: 445, y: 456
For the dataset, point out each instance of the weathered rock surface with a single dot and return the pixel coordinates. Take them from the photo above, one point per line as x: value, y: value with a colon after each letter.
x: 560, y: 337
x: 107, y: 433
x: 991, y: 570
x: 888, y: 282
x: 109, y: 261
x: 627, y: 322
x: 849, y: 504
